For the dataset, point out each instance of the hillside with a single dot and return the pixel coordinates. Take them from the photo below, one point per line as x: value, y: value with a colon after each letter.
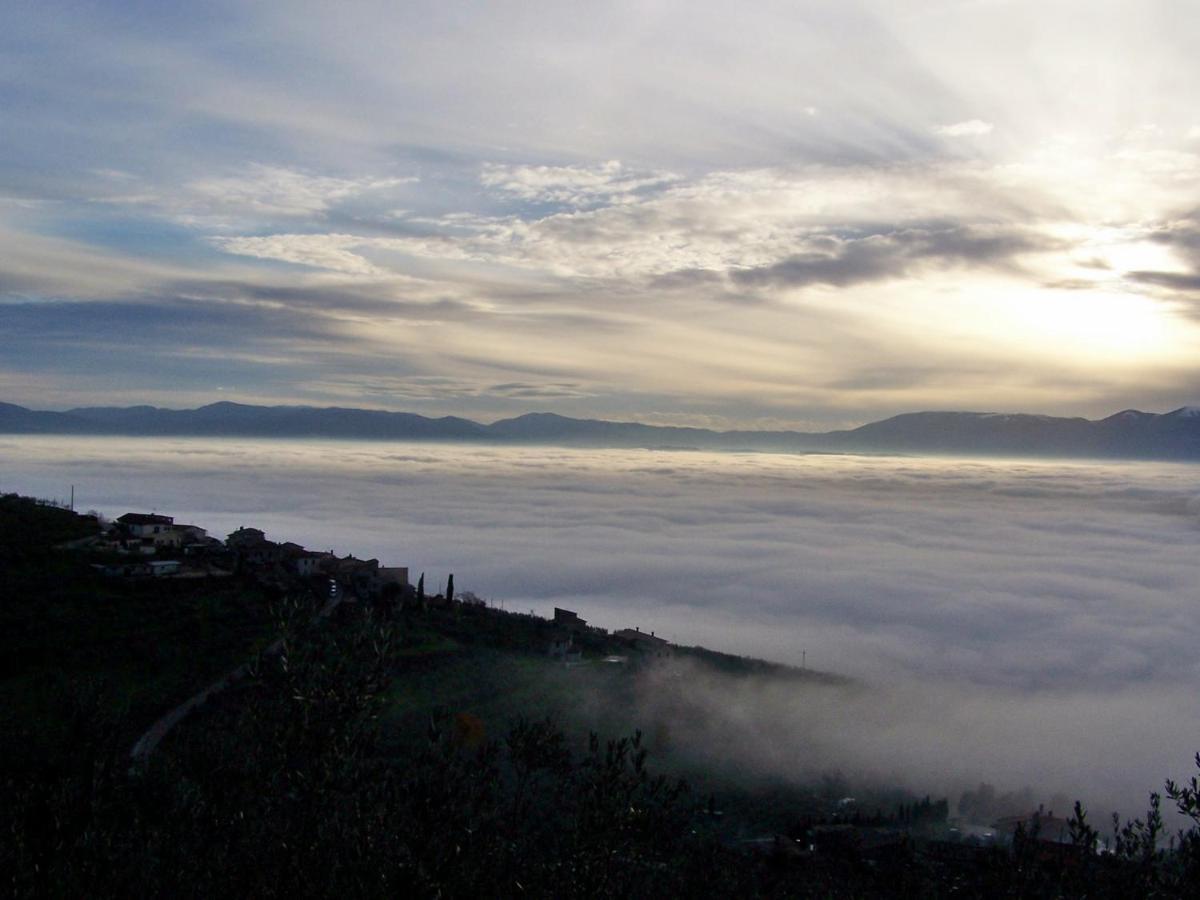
x: 133, y: 646
x: 1130, y: 434
x: 433, y: 746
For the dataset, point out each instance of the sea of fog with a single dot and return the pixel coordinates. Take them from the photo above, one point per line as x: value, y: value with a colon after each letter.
x: 1018, y: 622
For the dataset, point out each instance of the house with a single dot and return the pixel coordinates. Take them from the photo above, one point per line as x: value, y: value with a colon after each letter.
x: 562, y: 646
x: 644, y: 643
x: 356, y: 575
x: 390, y: 575
x: 565, y: 618
x: 122, y: 570
x: 91, y: 542
x: 264, y: 553
x: 168, y: 538
x: 309, y: 563
x: 191, y: 534
x: 205, y: 546
x: 154, y: 568
x: 145, y: 525
x: 160, y: 568
x: 245, y: 536
x: 290, y: 550
x: 251, y: 548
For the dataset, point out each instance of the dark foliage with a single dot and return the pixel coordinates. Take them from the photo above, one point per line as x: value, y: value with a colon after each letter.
x: 283, y: 787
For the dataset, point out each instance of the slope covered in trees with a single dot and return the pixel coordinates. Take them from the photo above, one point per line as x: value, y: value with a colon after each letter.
x: 433, y: 749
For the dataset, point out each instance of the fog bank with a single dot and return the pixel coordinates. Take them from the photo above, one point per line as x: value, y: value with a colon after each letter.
x: 1018, y: 622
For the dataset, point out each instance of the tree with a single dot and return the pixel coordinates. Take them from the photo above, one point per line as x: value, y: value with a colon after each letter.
x: 1187, y: 796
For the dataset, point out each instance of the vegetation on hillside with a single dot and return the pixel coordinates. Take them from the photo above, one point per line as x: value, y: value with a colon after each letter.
x: 405, y: 748
x: 134, y: 647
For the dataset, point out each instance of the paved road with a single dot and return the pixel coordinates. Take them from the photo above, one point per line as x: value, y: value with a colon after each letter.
x: 152, y: 737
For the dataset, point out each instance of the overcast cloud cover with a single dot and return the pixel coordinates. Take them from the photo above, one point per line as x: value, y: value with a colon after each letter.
x: 805, y: 214
x: 1024, y: 623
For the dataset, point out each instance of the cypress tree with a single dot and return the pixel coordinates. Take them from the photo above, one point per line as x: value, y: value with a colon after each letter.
x: 450, y: 587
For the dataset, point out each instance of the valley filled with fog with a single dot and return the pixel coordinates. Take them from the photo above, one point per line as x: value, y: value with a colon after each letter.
x: 1019, y: 622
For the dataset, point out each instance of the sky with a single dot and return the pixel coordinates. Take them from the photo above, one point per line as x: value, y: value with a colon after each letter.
x: 783, y: 214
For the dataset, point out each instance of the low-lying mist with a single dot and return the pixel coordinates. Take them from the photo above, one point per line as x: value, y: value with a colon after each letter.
x: 940, y: 738
x: 1019, y: 623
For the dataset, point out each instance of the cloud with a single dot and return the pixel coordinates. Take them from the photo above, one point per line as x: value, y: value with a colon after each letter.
x: 332, y: 252
x: 438, y: 390
x: 571, y: 185
x: 1176, y: 281
x: 39, y: 265
x: 722, y: 222
x: 843, y: 262
x: 274, y: 191
x: 255, y: 194
x: 900, y: 378
x: 1182, y: 236
x: 520, y: 390
x: 1016, y: 622
x: 164, y: 327
x: 702, y: 223
x: 970, y: 128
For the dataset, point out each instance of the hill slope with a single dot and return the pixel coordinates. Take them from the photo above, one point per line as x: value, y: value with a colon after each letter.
x: 1130, y: 434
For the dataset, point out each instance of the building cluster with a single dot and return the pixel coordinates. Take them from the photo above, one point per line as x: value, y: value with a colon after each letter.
x: 569, y: 629
x: 148, y: 545
x: 364, y: 578
x: 145, y: 534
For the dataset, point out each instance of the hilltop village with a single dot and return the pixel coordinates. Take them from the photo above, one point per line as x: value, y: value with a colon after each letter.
x: 150, y: 545
x: 139, y: 546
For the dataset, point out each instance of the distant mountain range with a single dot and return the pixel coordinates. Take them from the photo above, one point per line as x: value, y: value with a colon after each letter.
x: 1130, y: 434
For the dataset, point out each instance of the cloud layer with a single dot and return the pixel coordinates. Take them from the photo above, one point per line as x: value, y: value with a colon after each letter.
x: 1017, y: 622
x: 688, y: 211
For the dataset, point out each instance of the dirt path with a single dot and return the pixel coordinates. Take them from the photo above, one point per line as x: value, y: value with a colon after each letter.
x: 153, y: 736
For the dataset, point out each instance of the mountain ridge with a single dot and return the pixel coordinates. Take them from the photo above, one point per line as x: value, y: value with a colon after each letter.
x: 1129, y: 433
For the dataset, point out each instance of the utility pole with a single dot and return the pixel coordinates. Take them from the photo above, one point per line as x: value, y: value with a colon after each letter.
x: 804, y: 659
x: 72, y: 498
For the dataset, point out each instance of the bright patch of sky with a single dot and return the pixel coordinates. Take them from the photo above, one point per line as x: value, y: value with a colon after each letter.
x: 807, y: 214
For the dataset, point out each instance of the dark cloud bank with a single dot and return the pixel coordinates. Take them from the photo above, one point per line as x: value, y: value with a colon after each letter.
x: 1023, y: 623
x: 856, y: 259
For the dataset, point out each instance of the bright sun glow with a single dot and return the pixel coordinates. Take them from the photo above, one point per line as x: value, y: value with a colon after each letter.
x: 1093, y: 322
x: 1119, y: 249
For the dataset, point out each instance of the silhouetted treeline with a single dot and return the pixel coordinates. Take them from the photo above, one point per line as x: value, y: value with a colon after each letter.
x: 284, y: 787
